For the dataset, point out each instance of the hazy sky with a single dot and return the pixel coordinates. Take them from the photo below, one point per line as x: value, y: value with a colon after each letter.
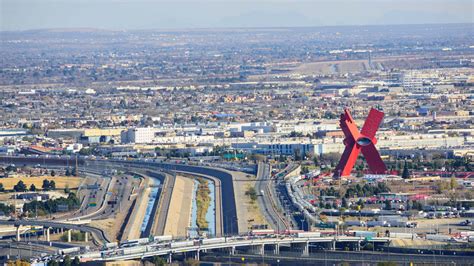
x: 148, y: 14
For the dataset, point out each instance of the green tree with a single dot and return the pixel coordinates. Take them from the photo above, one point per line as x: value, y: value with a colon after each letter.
x: 360, y: 203
x: 304, y: 170
x: 53, y: 173
x: 66, y: 261
x: 52, y: 185
x: 2, y: 188
x: 20, y: 187
x: 46, y: 185
x: 344, y: 203
x: 406, y: 172
x: 158, y: 261
x: 453, y: 183
x: 252, y: 193
x: 7, y: 209
x: 32, y: 187
x: 76, y: 261
x: 68, y: 173
x: 10, y: 168
x: 53, y: 263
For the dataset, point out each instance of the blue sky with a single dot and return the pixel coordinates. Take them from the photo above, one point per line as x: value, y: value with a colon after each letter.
x: 165, y: 14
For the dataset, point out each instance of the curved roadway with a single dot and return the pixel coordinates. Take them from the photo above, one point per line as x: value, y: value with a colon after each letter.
x: 96, y: 233
x: 230, y: 223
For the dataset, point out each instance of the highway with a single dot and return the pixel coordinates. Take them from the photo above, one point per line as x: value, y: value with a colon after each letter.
x: 157, y: 226
x: 331, y: 257
x: 284, y: 200
x: 229, y: 219
x: 167, y: 249
x: 95, y: 232
x: 266, y: 200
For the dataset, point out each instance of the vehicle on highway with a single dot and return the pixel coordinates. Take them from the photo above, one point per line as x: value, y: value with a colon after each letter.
x: 162, y: 238
x: 213, y: 240
x: 181, y: 244
x: 308, y: 234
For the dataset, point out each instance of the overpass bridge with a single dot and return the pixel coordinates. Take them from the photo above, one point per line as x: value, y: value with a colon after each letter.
x: 229, y: 218
x: 229, y: 244
x: 97, y: 233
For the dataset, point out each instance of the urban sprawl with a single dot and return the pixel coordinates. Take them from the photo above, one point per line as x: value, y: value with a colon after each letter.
x: 165, y: 145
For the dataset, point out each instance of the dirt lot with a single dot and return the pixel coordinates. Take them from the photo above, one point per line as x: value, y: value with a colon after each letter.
x: 332, y: 67
x: 71, y: 182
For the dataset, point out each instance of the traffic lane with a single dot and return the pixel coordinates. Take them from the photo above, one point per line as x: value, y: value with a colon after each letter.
x: 270, y: 217
x: 336, y: 257
x: 49, y: 224
x: 228, y: 198
x: 164, y: 204
x: 118, y: 199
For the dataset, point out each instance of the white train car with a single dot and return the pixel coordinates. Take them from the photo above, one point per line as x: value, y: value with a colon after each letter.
x: 213, y: 240
x: 162, y: 238
x: 182, y: 244
x: 308, y: 234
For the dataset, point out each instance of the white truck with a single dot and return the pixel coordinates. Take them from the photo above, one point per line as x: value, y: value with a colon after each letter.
x: 182, y: 244
x: 308, y: 234
x: 218, y: 240
x: 162, y: 238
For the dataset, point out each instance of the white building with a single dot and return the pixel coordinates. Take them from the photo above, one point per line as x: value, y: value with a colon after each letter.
x: 138, y: 135
x: 285, y: 148
x: 74, y: 147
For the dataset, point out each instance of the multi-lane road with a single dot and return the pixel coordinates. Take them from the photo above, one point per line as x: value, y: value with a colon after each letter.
x: 158, y: 221
x: 96, y: 233
x: 267, y: 201
x: 225, y: 197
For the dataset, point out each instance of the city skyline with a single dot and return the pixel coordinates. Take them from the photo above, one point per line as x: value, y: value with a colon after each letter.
x: 123, y: 15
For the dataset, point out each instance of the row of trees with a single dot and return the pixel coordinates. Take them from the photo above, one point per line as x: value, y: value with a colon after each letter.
x: 21, y: 186
x: 67, y: 261
x: 366, y: 190
x: 71, y: 172
x: 6, y: 209
x: 329, y: 192
x: 435, y: 164
x: 51, y: 205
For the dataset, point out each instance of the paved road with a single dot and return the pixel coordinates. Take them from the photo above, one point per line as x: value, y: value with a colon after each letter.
x: 151, y: 250
x: 230, y: 223
x: 266, y: 201
x: 161, y: 212
x: 336, y: 257
x: 284, y: 199
x: 96, y: 232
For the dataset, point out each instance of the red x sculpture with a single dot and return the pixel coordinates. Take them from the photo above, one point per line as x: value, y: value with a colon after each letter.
x: 356, y: 142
